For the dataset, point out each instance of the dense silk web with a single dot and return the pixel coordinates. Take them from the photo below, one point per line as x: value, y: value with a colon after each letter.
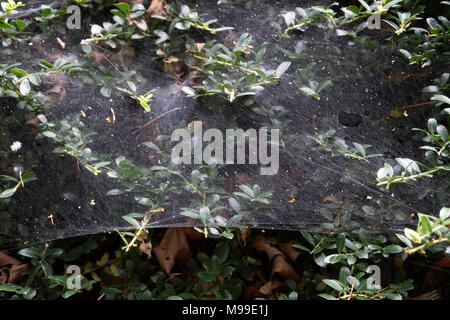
x: 317, y: 186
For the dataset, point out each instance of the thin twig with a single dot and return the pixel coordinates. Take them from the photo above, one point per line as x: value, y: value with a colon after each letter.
x: 153, y: 120
x: 418, y: 105
x: 351, y: 291
x: 409, y: 107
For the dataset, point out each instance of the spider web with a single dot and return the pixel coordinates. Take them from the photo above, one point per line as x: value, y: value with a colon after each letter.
x: 314, y: 187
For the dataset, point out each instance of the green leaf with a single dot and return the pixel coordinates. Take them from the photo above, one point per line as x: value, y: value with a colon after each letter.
x: 308, y: 237
x: 115, y: 192
x: 131, y: 221
x: 112, y: 291
x: 299, y: 246
x: 18, y: 72
x: 406, y: 53
x: 351, y: 260
x: 188, y: 90
x: 353, y: 281
x: 430, y: 89
x: 35, y: 79
x: 392, y: 249
x: 25, y: 87
x: 190, y: 214
x: 228, y: 235
x: 319, y: 259
x: 221, y: 251
x: 11, y: 287
x: 247, y: 190
x: 7, y: 193
x: 204, y: 214
x: 307, y: 91
x: 234, y: 205
x: 29, y: 252
x: 47, y: 268
x: 68, y: 293
x: 104, y: 260
x: 432, y: 23
x: 442, y: 131
x: 20, y: 25
x: 404, y: 239
x: 206, y: 276
x: 409, y: 165
x: 444, y: 213
x: 327, y: 296
x: 365, y: 5
x: 124, y: 7
x: 431, y: 125
x: 425, y: 224
x: 337, y: 285
x: 442, y: 98
x: 105, y: 91
x: 289, y: 17
x: 132, y: 86
x: 282, y: 68
x: 49, y: 134
x: 412, y: 235
x: 162, y: 36
x: 111, y: 44
x: 96, y: 29
x: 151, y: 146
x: 334, y: 258
x: 340, y: 242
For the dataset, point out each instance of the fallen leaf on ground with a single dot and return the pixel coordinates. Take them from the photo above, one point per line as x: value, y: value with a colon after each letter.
x: 398, y: 261
x: 443, y: 263
x: 156, y: 7
x: 230, y: 183
x: 252, y: 291
x: 10, y: 268
x: 290, y: 251
x: 146, y: 245
x: 262, y: 244
x: 397, y: 76
x: 244, y: 236
x: 330, y: 197
x: 32, y: 126
x: 125, y: 54
x: 57, y: 90
x: 279, y: 264
x: 283, y: 268
x: 174, y: 247
x: 192, y: 234
x: 432, y: 295
x: 269, y: 287
x: 174, y: 66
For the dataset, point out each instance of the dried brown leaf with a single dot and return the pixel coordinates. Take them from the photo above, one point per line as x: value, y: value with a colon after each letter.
x: 279, y: 264
x: 57, y: 90
x: 262, y: 244
x: 146, y: 245
x: 432, y: 295
x: 290, y: 251
x: 443, y: 263
x: 174, y: 247
x: 10, y: 268
x: 330, y: 197
x: 156, y: 7
x: 192, y: 234
x: 281, y: 267
x: 269, y: 287
x: 230, y: 183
